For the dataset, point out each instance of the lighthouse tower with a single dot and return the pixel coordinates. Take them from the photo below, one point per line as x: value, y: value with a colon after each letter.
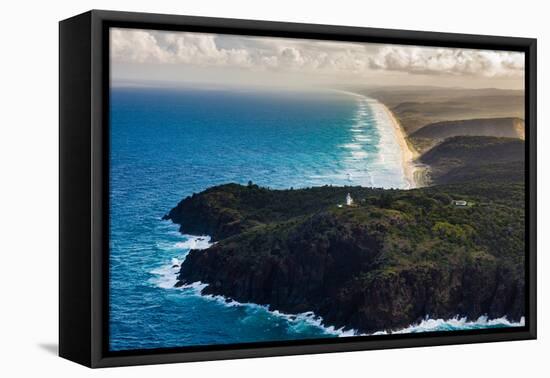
x: 349, y: 200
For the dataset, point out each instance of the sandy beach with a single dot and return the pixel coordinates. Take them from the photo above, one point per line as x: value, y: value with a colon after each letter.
x: 415, y: 173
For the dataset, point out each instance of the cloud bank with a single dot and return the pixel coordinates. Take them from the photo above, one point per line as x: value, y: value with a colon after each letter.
x: 438, y: 61
x: 132, y: 46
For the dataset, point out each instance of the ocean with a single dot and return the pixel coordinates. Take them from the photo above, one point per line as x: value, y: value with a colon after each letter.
x: 166, y: 144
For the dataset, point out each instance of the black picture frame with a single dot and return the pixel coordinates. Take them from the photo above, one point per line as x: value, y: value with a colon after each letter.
x: 83, y: 180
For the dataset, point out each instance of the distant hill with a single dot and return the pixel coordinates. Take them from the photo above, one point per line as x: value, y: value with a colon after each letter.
x: 416, y: 107
x: 497, y: 127
x: 393, y: 96
x: 429, y: 135
x: 476, y: 158
x: 415, y: 115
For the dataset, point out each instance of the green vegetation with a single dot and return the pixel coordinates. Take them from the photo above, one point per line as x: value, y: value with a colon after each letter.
x: 383, y: 263
x: 476, y: 158
x: 394, y: 256
x: 434, y: 133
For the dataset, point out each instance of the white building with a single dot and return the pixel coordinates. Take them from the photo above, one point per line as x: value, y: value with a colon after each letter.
x: 349, y: 200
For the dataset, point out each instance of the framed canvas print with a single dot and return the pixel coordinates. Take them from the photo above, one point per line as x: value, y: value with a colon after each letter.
x: 233, y: 188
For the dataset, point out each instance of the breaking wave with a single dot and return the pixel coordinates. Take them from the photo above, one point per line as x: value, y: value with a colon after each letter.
x: 455, y: 324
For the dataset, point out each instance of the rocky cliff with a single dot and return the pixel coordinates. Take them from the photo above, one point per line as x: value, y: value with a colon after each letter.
x: 385, y: 263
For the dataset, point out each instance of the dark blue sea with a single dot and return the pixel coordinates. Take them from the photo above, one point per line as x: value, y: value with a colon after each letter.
x: 166, y: 144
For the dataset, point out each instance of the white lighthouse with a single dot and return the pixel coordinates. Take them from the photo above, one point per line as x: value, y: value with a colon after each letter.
x: 349, y: 200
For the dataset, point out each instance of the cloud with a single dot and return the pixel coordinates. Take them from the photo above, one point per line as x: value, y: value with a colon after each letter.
x: 139, y: 46
x: 306, y: 56
x: 440, y: 61
x: 136, y: 46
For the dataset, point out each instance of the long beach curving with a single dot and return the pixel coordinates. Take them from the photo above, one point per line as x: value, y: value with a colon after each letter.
x: 395, y: 165
x: 406, y: 152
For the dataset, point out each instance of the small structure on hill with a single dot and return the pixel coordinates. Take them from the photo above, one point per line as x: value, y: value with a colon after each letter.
x: 460, y: 203
x: 349, y: 200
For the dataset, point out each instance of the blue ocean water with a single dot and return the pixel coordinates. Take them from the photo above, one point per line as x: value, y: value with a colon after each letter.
x: 169, y: 143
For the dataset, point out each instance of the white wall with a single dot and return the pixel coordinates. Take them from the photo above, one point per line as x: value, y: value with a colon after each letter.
x: 28, y: 211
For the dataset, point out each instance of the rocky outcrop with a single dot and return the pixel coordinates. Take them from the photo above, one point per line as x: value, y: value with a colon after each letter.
x: 383, y: 264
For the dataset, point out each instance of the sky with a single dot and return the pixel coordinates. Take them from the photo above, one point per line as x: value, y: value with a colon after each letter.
x: 141, y: 56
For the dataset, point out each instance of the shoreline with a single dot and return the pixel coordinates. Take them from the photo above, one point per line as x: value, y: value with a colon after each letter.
x: 227, y: 267
x: 166, y: 279
x: 415, y: 173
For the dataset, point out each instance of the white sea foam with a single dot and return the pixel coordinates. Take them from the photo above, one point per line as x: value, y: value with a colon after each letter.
x: 390, y: 171
x: 457, y: 323
x: 195, y: 286
x: 195, y: 242
x: 166, y: 277
x: 359, y: 154
x: 295, y: 321
x: 352, y: 146
x: 362, y: 138
x: 188, y: 242
x: 374, y: 155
